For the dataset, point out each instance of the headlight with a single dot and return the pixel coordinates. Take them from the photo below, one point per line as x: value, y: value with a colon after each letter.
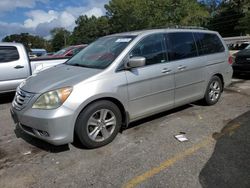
x: 52, y: 99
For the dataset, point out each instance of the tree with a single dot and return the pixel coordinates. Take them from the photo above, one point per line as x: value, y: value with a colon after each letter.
x: 88, y: 29
x: 231, y: 18
x: 60, y: 38
x: 29, y: 41
x: 244, y: 22
x: 127, y: 15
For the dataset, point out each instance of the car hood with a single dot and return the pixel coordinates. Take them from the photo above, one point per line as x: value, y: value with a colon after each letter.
x: 57, y: 77
x: 245, y: 52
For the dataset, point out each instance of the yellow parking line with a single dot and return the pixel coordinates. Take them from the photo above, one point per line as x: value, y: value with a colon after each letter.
x: 138, y: 179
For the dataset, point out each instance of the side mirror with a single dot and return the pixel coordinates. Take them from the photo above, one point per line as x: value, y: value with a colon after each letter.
x: 135, y: 62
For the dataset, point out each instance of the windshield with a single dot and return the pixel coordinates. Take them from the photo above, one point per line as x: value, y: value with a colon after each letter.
x: 62, y: 51
x: 101, y: 53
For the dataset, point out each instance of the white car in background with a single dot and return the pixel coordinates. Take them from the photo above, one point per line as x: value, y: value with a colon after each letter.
x: 15, y: 65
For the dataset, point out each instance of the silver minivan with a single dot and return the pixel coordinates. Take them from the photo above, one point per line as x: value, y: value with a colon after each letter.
x: 119, y: 79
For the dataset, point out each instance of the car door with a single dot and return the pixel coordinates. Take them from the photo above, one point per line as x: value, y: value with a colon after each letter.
x: 150, y: 88
x: 12, y: 69
x: 189, y: 67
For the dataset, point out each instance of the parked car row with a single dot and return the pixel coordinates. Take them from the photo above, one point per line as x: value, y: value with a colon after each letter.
x: 68, y: 51
x: 65, y: 52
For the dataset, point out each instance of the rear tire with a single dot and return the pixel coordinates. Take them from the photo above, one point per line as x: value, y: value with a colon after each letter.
x: 213, y: 92
x: 98, y: 124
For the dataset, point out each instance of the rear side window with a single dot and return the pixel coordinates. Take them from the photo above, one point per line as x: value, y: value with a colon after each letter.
x: 152, y: 48
x: 8, y: 53
x: 208, y: 43
x: 181, y: 45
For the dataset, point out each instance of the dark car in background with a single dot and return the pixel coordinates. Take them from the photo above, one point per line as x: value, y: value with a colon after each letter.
x: 241, y: 63
x: 68, y: 51
x: 234, y: 48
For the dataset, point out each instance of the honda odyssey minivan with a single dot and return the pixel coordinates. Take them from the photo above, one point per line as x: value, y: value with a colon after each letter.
x: 119, y: 79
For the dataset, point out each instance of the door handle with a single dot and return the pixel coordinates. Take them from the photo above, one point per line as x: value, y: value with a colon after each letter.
x: 181, y: 67
x: 19, y: 67
x: 165, y: 70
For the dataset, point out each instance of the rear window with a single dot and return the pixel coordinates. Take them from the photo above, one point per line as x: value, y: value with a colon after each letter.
x: 181, y: 45
x: 8, y: 53
x: 208, y: 43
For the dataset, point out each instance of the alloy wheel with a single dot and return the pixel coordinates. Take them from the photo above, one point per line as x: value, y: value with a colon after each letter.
x: 101, y: 125
x: 214, y: 90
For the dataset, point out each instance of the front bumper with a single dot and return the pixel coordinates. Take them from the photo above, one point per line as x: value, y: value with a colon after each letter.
x: 53, y: 126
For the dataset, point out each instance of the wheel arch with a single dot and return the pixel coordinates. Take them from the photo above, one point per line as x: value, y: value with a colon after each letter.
x: 221, y: 78
x: 117, y: 102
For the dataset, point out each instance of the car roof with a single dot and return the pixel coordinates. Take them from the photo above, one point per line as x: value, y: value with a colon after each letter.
x: 11, y: 44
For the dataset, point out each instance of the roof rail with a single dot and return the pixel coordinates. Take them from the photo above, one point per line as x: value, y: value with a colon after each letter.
x: 186, y: 27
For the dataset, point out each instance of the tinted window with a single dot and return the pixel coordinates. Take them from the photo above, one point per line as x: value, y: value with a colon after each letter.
x: 152, y: 48
x: 208, y: 43
x: 181, y: 45
x: 8, y: 53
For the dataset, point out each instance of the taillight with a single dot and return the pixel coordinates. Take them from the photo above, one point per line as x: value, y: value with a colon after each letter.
x: 230, y: 60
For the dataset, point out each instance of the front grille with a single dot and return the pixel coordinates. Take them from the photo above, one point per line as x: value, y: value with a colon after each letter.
x: 21, y: 99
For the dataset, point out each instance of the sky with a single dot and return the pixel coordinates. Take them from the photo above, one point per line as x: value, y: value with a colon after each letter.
x: 39, y: 17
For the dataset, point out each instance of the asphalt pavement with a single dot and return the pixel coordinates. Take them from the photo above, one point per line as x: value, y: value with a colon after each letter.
x: 217, y: 153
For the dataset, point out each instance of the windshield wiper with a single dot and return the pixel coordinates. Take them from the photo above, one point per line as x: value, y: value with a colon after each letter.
x: 86, y: 66
x: 79, y: 65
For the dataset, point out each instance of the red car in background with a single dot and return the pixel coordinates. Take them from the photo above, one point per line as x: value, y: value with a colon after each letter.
x: 68, y: 51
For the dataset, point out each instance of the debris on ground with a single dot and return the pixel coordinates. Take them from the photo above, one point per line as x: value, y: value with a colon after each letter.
x: 181, y: 137
x: 200, y: 117
x: 27, y: 153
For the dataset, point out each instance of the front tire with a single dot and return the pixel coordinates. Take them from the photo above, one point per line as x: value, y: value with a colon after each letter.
x: 98, y: 124
x: 213, y: 92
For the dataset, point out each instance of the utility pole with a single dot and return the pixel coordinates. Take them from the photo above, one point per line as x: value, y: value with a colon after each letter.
x: 65, y: 40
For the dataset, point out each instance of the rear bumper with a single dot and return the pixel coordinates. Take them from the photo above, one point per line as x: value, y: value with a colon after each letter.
x: 53, y: 126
